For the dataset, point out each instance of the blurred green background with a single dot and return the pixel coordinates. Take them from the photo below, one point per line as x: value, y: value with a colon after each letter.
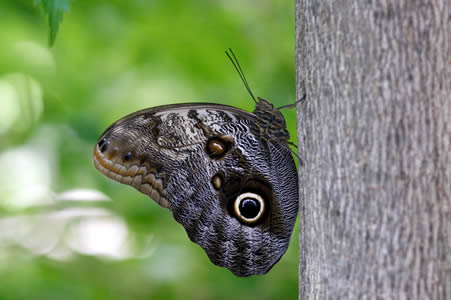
x: 67, y: 231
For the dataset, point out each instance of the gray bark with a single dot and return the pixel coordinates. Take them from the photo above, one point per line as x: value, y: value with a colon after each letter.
x: 374, y: 134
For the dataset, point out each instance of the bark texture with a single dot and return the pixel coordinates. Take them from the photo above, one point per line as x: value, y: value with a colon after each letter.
x: 374, y: 134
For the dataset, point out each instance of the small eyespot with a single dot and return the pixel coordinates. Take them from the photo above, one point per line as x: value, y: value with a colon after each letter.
x: 127, y: 156
x: 217, y: 147
x: 110, y: 155
x: 102, y: 142
x: 249, y: 207
x: 217, y: 181
x: 103, y: 145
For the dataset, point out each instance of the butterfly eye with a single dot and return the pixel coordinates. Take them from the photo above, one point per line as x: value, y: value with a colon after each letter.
x: 217, y: 147
x: 249, y: 207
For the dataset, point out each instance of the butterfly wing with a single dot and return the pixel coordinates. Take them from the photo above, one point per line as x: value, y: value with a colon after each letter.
x: 235, y: 193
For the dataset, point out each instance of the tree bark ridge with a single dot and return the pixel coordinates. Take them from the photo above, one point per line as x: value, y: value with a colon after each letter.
x: 375, y: 136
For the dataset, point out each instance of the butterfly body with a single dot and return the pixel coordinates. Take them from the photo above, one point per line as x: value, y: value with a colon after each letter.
x: 227, y: 176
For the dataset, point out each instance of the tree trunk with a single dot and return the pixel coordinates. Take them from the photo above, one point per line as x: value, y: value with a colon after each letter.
x: 374, y: 135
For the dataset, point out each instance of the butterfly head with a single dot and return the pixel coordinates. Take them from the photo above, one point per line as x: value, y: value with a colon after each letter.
x: 271, y: 123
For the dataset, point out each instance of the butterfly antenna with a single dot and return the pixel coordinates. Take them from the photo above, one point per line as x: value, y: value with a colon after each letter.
x: 292, y: 104
x: 238, y: 68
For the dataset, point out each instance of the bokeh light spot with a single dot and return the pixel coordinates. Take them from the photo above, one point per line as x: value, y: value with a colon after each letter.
x: 10, y: 105
x: 21, y: 95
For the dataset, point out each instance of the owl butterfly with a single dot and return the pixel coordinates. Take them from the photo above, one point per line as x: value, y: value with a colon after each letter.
x: 227, y: 175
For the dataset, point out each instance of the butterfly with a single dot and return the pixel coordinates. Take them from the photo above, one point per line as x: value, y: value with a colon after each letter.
x: 227, y: 175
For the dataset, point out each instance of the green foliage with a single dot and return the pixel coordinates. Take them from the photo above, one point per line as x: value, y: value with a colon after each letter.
x: 116, y: 57
x: 55, y: 10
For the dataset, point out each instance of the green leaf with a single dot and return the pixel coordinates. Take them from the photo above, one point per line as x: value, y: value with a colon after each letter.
x: 55, y: 10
